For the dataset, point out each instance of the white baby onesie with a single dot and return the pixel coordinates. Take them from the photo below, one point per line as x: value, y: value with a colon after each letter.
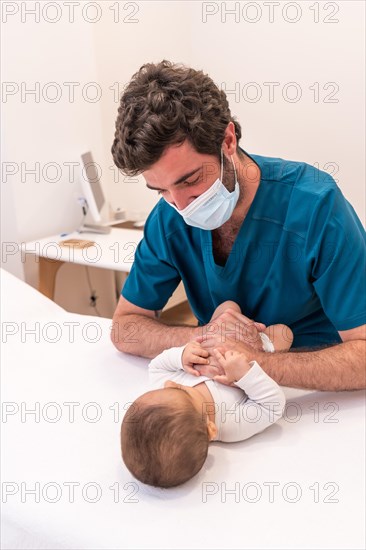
x: 255, y: 403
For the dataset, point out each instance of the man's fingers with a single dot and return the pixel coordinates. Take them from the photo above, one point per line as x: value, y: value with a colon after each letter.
x: 228, y: 342
x: 233, y: 324
x: 219, y: 356
x: 239, y: 316
x: 201, y: 352
x: 231, y: 313
x: 209, y: 370
x: 210, y: 341
x: 197, y: 359
x: 259, y: 326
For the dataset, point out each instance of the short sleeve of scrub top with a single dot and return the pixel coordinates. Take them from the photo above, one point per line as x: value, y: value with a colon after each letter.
x: 153, y: 278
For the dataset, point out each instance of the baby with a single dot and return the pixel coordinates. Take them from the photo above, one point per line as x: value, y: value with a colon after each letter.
x: 165, y: 433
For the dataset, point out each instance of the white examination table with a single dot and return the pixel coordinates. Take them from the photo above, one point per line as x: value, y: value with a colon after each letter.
x: 300, y: 484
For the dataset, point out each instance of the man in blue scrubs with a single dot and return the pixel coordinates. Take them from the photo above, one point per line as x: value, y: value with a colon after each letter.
x: 275, y: 236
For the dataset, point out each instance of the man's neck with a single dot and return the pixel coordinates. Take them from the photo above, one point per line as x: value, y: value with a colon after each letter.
x: 248, y: 174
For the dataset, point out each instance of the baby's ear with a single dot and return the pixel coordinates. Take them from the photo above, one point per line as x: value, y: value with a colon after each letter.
x: 211, y: 430
x: 170, y: 384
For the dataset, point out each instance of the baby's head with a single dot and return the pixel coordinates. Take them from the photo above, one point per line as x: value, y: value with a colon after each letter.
x: 164, y: 436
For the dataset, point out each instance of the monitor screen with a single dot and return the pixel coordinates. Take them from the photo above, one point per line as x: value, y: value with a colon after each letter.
x: 91, y: 186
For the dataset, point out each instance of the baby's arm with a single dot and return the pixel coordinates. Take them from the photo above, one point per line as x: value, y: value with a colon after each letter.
x: 176, y: 359
x: 265, y: 402
x: 167, y: 362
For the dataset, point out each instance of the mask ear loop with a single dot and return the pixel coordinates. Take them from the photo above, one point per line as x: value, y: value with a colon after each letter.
x: 236, y: 179
x: 222, y: 165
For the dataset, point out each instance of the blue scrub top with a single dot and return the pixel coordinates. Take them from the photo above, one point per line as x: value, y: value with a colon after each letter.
x: 299, y: 258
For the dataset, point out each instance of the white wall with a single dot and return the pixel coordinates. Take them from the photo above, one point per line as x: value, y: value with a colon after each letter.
x: 233, y: 50
x: 43, y: 134
x: 10, y: 258
x: 304, y: 52
x: 146, y: 32
x: 249, y: 48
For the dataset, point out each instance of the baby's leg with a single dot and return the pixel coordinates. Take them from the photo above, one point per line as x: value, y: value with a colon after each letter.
x: 281, y: 336
x: 223, y: 307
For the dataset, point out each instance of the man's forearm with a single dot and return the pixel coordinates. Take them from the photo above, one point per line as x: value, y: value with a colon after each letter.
x: 147, y: 337
x: 341, y: 367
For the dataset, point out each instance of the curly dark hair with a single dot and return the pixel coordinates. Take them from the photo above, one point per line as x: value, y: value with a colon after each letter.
x: 165, y: 104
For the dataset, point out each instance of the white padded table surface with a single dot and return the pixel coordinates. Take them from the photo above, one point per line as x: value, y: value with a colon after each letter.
x: 299, y: 484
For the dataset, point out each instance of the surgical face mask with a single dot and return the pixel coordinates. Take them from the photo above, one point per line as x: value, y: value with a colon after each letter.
x: 214, y: 207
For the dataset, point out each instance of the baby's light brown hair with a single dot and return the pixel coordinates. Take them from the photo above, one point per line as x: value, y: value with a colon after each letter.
x: 163, y: 445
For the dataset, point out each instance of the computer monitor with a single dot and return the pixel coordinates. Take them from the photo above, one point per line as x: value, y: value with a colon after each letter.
x: 92, y: 189
x: 97, y: 205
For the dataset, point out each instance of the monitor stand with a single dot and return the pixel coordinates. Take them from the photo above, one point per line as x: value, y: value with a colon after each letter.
x: 130, y: 224
x: 90, y: 228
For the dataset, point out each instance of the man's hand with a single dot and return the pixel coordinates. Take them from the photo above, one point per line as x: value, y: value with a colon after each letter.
x: 230, y: 330
x: 194, y: 354
x: 235, y: 365
x: 214, y: 368
x: 234, y: 325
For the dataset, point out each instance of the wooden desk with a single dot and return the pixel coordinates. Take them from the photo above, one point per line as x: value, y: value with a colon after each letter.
x: 114, y: 251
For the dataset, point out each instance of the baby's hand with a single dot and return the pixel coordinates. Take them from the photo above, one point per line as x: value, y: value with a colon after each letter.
x: 235, y: 365
x: 192, y: 354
